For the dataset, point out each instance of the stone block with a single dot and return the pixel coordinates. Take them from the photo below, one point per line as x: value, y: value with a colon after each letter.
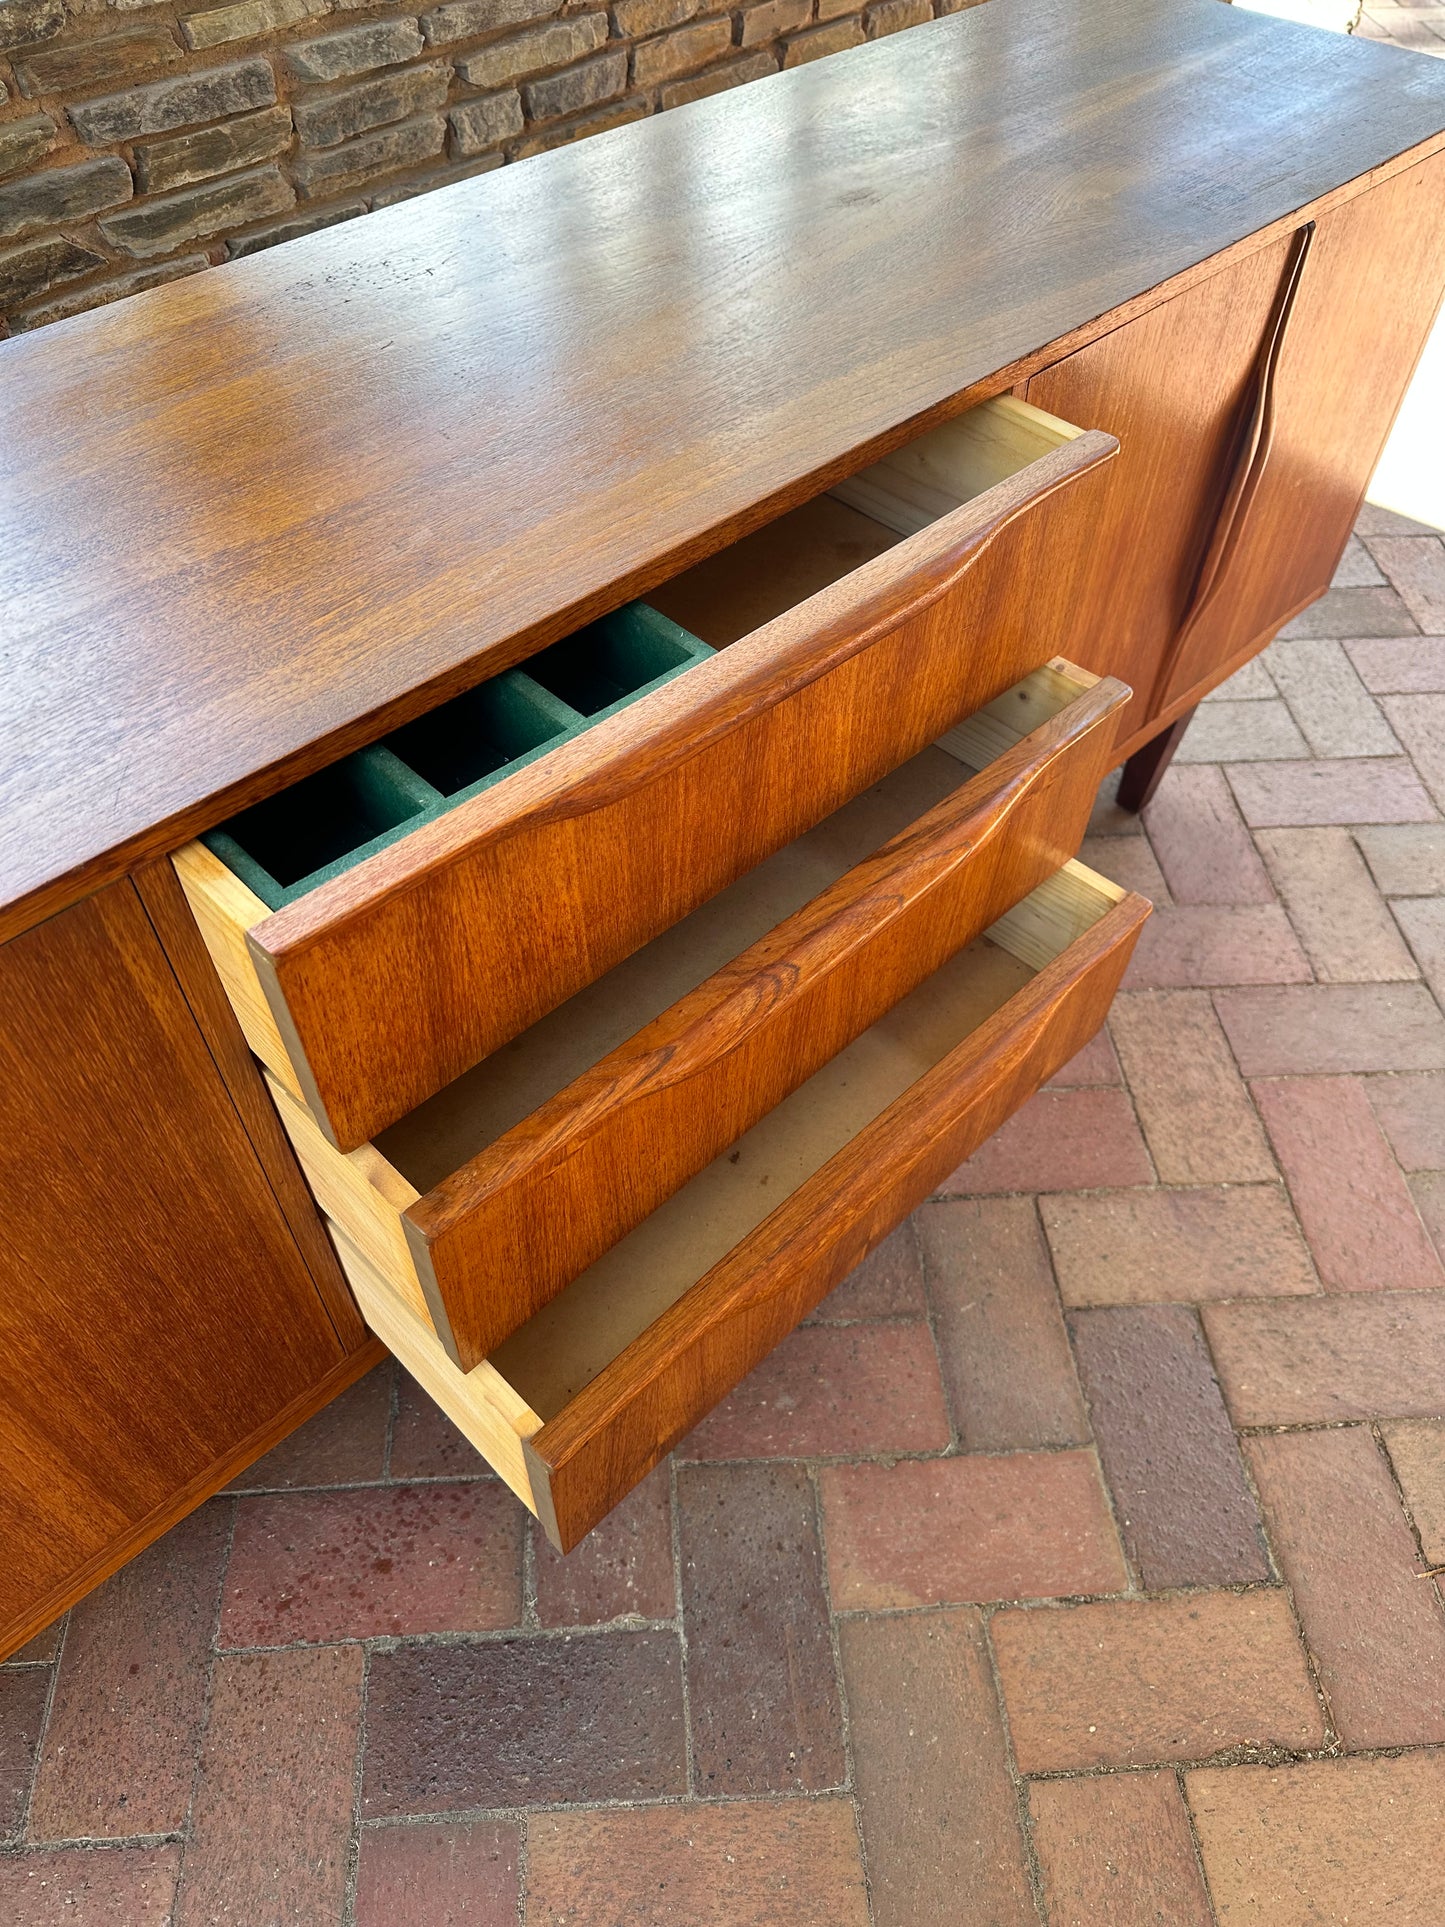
x: 480, y: 124
x: 372, y: 103
x: 207, y: 151
x: 24, y: 23
x: 577, y: 87
x: 183, y: 100
x: 833, y: 39
x: 355, y: 50
x: 773, y: 17
x: 161, y: 225
x: 716, y: 80
x: 681, y: 52
x: 636, y: 18
x: 563, y: 133
x: 62, y: 194
x: 533, y: 51
x: 246, y: 20
x: 29, y: 271
x: 91, y: 63
x: 468, y: 19
x: 383, y: 152
x: 24, y: 141
x: 97, y: 294
x: 291, y: 229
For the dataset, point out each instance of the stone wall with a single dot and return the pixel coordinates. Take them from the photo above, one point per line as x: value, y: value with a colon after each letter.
x: 141, y: 140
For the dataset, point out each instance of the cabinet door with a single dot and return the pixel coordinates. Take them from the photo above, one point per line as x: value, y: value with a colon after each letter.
x: 1368, y: 287
x: 155, y: 1313
x: 1174, y: 387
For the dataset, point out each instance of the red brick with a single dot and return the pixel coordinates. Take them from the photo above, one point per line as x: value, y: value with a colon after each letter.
x: 1204, y: 944
x: 1309, y: 1361
x: 1353, y: 612
x: 424, y: 1442
x: 1400, y: 665
x: 888, y: 1284
x: 1405, y: 859
x: 832, y: 1390
x: 939, y: 1815
x: 1116, y: 1851
x: 1196, y: 1113
x: 383, y: 1560
x: 130, y: 1698
x: 1415, y: 565
x: 1422, y: 919
x: 1028, y: 1525
x: 1355, y: 1206
x: 622, y: 1568
x: 42, y: 1648
x: 271, y: 1821
x: 1333, y: 903
x: 1204, y: 850
x: 1168, y: 1452
x: 1135, y: 1682
x: 1417, y: 1451
x: 23, y: 1693
x: 1096, y: 1063
x: 1252, y: 731
x: 1336, y: 712
x: 345, y: 1444
x: 1144, y: 1247
x: 1006, y: 1358
x: 763, y: 1694
x: 461, y: 1873
x: 78, y: 1887
x: 1306, y: 1029
x: 1411, y: 1110
x: 1128, y: 861
x: 1359, y: 789
x: 1377, y: 1631
x: 523, y: 1722
x: 1060, y: 1141
x: 1332, y: 1841
x: 744, y: 1863
x: 1107, y: 818
x: 1428, y: 1191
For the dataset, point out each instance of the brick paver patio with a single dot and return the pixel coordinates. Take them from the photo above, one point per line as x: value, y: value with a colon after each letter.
x: 1072, y: 1566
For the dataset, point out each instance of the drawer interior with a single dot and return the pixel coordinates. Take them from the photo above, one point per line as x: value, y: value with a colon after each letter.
x: 471, y: 1113
x: 781, y: 564
x: 289, y: 844
x: 549, y: 1359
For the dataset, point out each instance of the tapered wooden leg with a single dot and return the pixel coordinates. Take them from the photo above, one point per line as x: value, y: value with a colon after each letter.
x: 1145, y: 768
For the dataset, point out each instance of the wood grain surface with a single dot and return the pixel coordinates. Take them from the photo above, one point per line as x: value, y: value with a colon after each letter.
x: 253, y: 518
x: 392, y: 979
x: 155, y: 1312
x: 504, y: 1234
x: 608, y: 1436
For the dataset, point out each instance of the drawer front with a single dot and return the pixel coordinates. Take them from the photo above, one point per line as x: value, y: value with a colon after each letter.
x: 506, y: 1232
x: 587, y: 1458
x: 577, y: 1407
x: 386, y: 983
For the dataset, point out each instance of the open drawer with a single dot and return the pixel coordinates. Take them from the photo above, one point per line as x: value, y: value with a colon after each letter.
x: 578, y: 1405
x: 847, y: 636
x: 482, y: 1204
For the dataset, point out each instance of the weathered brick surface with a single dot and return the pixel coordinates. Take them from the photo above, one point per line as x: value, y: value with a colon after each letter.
x: 462, y: 1873
x: 246, y: 20
x: 24, y: 22
x: 355, y: 50
x: 1115, y: 1850
x: 116, y: 288
x: 26, y: 272
x: 480, y: 124
x: 80, y: 66
x: 680, y: 52
x: 1200, y: 1125
x: 576, y: 87
x: 1411, y: 1110
x: 939, y: 1817
x: 533, y: 50
x: 389, y: 148
x: 1334, y: 906
x: 1184, y: 1245
x: 1314, y: 1361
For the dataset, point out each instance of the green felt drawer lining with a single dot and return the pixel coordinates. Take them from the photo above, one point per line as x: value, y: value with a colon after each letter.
x: 324, y: 824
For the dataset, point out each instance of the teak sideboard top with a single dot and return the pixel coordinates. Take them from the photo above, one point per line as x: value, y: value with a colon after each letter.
x: 251, y: 519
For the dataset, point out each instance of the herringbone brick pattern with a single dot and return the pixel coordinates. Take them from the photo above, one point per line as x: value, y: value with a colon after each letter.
x: 1073, y: 1566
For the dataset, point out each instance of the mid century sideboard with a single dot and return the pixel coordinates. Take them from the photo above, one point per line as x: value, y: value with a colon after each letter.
x: 546, y: 731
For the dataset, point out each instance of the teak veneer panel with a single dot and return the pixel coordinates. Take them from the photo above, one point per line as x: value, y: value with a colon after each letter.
x: 582, y: 1401
x: 265, y: 513
x: 155, y: 1315
x: 391, y: 980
